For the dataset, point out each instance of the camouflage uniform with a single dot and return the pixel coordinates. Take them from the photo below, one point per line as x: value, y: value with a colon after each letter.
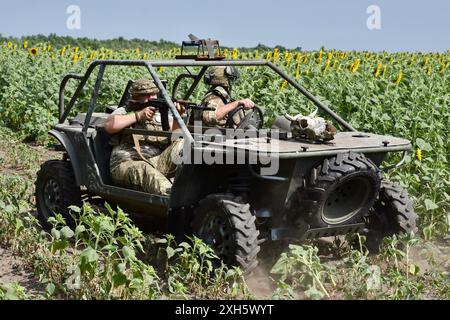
x: 215, y: 98
x: 128, y: 169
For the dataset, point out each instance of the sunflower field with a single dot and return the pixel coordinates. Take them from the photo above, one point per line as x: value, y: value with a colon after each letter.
x: 405, y: 94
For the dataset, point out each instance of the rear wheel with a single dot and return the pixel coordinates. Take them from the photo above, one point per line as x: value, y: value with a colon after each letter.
x: 56, y: 190
x: 228, y: 227
x: 392, y: 213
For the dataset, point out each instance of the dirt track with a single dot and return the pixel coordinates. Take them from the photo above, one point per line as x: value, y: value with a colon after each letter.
x: 13, y: 269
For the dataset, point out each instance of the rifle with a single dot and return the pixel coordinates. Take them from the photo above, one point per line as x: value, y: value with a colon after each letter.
x: 161, y: 104
x: 163, y: 108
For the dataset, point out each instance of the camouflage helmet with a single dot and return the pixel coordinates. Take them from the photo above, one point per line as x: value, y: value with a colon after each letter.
x: 143, y: 87
x: 221, y: 76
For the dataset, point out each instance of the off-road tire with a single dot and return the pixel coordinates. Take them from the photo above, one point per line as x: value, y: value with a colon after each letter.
x: 55, y: 191
x: 393, y: 213
x: 347, y: 183
x: 237, y: 245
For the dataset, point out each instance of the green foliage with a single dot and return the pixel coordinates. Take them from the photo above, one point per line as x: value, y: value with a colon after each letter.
x: 402, y: 94
x: 400, y: 273
x: 354, y: 274
x: 301, y: 268
x: 12, y: 291
x: 101, y: 258
x: 193, y: 268
x: 104, y: 265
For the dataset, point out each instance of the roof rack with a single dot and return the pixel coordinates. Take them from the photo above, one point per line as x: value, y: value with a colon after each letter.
x: 207, y: 49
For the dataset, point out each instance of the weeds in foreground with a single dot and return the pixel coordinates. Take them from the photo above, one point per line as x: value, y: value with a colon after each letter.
x: 193, y: 269
x: 301, y: 267
x: 99, y: 259
x: 357, y: 274
x: 12, y: 291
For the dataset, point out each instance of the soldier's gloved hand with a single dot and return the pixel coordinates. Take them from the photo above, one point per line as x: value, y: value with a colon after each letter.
x: 146, y: 114
x: 247, y: 103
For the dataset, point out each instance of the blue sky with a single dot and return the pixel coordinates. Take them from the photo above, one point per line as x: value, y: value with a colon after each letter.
x: 405, y: 25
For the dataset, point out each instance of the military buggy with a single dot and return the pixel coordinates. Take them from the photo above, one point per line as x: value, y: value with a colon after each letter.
x: 321, y: 188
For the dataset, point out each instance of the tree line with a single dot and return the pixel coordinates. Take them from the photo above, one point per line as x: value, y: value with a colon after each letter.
x: 115, y: 44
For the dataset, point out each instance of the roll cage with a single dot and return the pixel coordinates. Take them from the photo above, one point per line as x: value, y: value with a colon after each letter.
x: 150, y: 66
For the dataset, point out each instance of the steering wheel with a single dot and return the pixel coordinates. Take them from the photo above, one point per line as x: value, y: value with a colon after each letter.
x: 253, y: 119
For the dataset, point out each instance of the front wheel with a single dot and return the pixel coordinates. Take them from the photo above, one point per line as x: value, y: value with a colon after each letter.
x: 228, y: 227
x: 392, y: 213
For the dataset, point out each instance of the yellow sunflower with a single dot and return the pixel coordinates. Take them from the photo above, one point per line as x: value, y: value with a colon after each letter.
x: 33, y: 52
x: 419, y: 154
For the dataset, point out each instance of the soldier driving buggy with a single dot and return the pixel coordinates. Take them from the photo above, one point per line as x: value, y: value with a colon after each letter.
x: 322, y: 188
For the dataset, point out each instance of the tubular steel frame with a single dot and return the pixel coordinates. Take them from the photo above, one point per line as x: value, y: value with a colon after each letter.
x: 150, y: 65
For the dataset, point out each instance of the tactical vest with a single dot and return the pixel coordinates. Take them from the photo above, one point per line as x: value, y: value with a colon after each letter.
x: 215, y: 92
x: 220, y: 92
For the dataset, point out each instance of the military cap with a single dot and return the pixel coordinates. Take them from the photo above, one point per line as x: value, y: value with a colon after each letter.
x: 143, y: 87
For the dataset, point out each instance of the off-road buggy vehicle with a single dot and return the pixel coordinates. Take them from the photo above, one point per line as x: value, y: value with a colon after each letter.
x: 321, y: 188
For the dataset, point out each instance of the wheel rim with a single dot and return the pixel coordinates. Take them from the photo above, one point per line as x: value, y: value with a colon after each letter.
x: 51, y: 195
x: 215, y: 232
x: 347, y: 200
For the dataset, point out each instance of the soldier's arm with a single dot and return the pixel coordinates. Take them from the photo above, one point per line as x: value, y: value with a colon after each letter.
x: 222, y: 111
x: 117, y: 122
